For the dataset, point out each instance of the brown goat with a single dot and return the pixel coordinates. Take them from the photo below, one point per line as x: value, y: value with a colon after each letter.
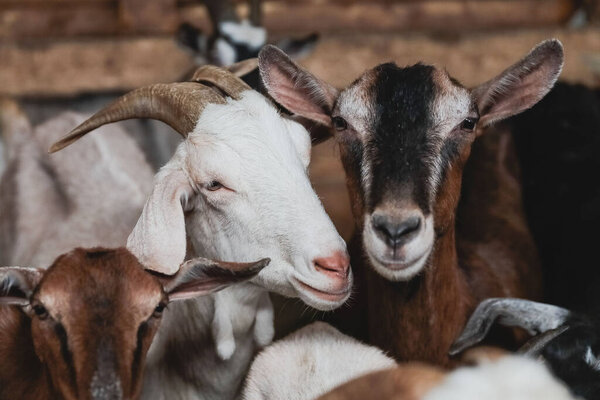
x: 81, y: 328
x: 405, y: 136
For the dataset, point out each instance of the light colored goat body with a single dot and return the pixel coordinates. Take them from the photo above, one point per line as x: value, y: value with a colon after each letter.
x: 309, y: 363
x: 508, y: 377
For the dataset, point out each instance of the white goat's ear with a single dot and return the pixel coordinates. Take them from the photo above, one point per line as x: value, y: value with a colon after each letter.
x: 295, y: 88
x: 520, y: 86
x: 200, y: 276
x: 159, y: 239
x: 17, y: 284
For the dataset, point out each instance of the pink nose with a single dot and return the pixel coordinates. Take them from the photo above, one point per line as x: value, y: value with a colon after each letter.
x: 336, y: 266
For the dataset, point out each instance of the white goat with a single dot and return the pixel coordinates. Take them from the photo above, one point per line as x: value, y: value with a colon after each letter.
x: 310, y: 362
x: 318, y: 360
x: 49, y: 205
x: 237, y: 187
x: 507, y: 377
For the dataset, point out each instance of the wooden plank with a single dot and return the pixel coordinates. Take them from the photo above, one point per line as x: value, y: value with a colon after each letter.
x: 44, y: 22
x: 441, y: 16
x: 143, y: 16
x: 75, y: 66
x: 95, y: 18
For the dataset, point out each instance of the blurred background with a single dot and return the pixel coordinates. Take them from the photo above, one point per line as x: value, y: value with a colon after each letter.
x: 57, y: 49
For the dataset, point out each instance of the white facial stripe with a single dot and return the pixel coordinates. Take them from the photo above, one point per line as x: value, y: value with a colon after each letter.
x: 451, y: 106
x: 244, y: 33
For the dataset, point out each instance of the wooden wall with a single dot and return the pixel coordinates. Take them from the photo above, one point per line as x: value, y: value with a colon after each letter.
x: 65, y: 47
x: 75, y: 18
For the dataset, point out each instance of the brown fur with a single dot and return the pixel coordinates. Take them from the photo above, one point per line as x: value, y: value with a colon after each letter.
x: 483, y: 249
x: 100, y: 301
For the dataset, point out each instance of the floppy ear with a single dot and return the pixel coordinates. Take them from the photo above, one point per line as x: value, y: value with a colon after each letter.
x: 159, y: 239
x: 520, y: 86
x: 295, y: 88
x: 201, y: 276
x: 17, y: 284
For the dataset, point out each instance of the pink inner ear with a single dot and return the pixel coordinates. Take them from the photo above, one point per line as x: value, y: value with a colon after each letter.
x: 296, y: 99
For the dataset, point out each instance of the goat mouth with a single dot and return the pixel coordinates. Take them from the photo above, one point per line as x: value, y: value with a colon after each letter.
x: 335, y: 297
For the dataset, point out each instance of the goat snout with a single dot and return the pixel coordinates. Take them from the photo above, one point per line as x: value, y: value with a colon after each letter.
x: 396, y: 232
x: 336, y: 266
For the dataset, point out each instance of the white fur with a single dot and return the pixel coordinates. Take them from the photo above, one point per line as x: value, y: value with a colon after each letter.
x: 269, y: 209
x: 87, y: 196
x: 413, y: 255
x: 310, y: 362
x: 224, y: 53
x: 592, y: 360
x: 510, y: 377
x: 244, y: 33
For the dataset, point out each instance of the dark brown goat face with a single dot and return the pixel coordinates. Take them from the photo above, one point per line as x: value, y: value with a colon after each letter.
x: 405, y: 134
x: 94, y: 314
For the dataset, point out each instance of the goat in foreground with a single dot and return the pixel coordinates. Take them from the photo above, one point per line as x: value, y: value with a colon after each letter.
x: 309, y: 362
x: 405, y: 136
x: 318, y: 359
x: 568, y: 342
x: 237, y: 188
x: 506, y: 377
x: 81, y: 328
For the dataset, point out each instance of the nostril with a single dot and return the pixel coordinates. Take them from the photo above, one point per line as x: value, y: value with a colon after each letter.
x: 396, y: 233
x: 338, y: 265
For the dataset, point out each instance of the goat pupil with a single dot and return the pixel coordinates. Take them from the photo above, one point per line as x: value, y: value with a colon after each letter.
x: 159, y: 309
x: 468, y: 124
x: 40, y: 311
x: 339, y: 123
x: 214, y: 185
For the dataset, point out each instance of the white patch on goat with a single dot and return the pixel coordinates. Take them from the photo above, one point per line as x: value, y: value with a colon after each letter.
x: 310, y: 362
x: 451, y: 106
x: 591, y: 359
x: 222, y: 327
x: 244, y: 33
x: 225, y: 53
x: 510, y: 377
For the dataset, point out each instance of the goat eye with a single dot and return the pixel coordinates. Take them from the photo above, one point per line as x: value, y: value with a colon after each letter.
x: 214, y: 185
x: 339, y: 123
x: 468, y: 124
x: 40, y: 311
x: 159, y: 310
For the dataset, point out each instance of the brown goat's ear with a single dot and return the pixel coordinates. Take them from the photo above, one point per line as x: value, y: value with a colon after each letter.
x: 200, y: 276
x: 295, y: 88
x: 17, y: 284
x: 158, y: 239
x: 520, y: 86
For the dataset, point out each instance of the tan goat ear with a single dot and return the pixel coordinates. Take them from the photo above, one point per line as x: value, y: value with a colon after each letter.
x: 17, y: 284
x: 201, y: 276
x: 159, y: 239
x: 295, y: 88
x: 520, y: 86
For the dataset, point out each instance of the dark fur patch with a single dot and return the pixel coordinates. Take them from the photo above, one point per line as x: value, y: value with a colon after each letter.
x: 400, y: 146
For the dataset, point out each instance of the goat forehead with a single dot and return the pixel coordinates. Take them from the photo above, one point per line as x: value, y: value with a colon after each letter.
x: 249, y: 131
x: 97, y: 280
